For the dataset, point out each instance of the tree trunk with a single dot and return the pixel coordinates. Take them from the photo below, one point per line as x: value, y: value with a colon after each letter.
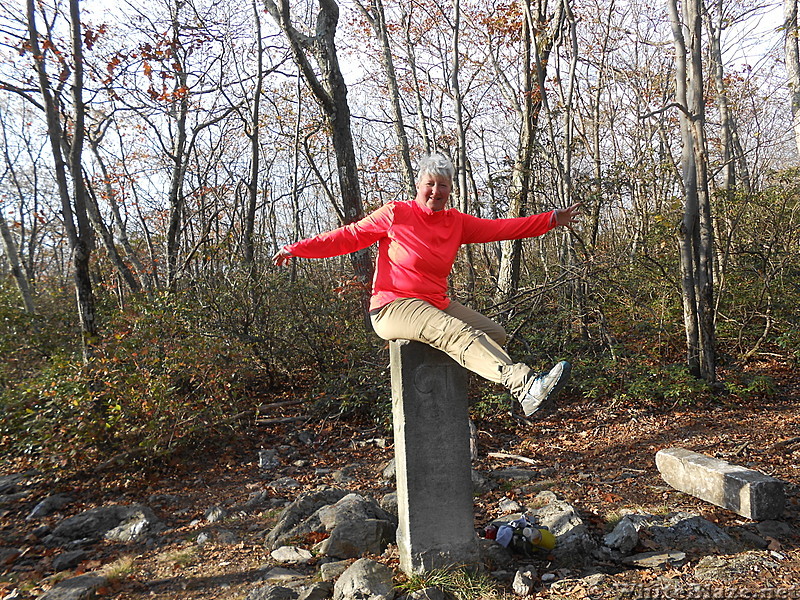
x: 331, y: 94
x: 12, y: 255
x: 255, y: 152
x: 75, y: 217
x: 792, y: 52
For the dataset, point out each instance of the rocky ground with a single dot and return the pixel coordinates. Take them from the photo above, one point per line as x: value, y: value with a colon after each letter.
x: 217, y: 507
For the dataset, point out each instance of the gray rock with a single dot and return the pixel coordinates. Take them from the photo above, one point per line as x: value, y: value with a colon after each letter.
x: 8, y: 555
x: 215, y: 514
x: 389, y: 504
x: 494, y: 554
x: 281, y: 574
x: 203, y: 538
x: 507, y: 505
x: 654, y: 560
x: 623, y: 537
x: 574, y: 544
x: 480, y: 484
x: 292, y: 520
x: 352, y: 539
x: 350, y: 508
x: 317, y: 591
x: 9, y: 484
x: 521, y: 475
x: 389, y: 473
x: 285, y: 483
x: 524, y: 581
x: 291, y: 555
x: 730, y: 568
x: 331, y: 570
x: 747, y: 538
x: 227, y: 537
x: 428, y: 593
x: 365, y: 579
x: 685, y: 532
x: 779, y: 530
x: 135, y: 526
x: 68, y: 560
x: 48, y: 506
x: 83, y: 587
x: 268, y: 460
x: 271, y: 592
x: 124, y: 520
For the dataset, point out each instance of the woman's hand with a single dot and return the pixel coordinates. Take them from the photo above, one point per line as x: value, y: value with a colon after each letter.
x: 282, y: 257
x: 569, y: 215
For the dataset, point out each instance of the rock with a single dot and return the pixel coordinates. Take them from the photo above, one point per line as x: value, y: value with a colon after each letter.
x: 496, y: 555
x: 268, y: 460
x: 285, y: 483
x: 365, y: 579
x: 623, y: 537
x: 521, y: 475
x: 524, y: 581
x: 292, y: 521
x: 730, y: 568
x: 389, y: 504
x: 574, y: 545
x: 9, y: 484
x: 271, y: 592
x: 744, y: 491
x: 331, y: 570
x: 215, y: 514
x: 747, y: 538
x: 291, y: 555
x: 134, y: 526
x: 281, y: 574
x: 227, y: 537
x: 68, y: 560
x: 350, y: 508
x: 129, y: 521
x: 83, y: 587
x: 480, y: 484
x: 507, y: 505
x: 203, y: 538
x: 775, y: 529
x: 654, y: 560
x: 428, y: 593
x: 389, y: 472
x: 48, y: 506
x: 353, y: 539
x: 8, y: 555
x: 317, y: 591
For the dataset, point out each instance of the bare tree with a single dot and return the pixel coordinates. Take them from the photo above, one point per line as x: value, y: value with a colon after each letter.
x: 69, y: 135
x: 792, y: 52
x: 330, y: 91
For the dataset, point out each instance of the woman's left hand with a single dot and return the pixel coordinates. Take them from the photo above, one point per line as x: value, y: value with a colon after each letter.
x: 569, y: 215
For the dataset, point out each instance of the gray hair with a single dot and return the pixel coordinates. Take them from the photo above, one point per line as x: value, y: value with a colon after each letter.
x: 435, y: 164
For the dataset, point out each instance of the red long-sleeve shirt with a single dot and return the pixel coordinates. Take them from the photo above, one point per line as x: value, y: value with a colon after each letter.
x: 417, y: 246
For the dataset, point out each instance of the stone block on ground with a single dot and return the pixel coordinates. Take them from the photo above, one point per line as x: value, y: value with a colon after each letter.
x: 746, y: 492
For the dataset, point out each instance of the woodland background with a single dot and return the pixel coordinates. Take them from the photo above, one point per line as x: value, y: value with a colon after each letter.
x: 155, y: 155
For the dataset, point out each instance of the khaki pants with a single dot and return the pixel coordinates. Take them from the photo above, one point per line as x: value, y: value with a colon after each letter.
x: 471, y: 339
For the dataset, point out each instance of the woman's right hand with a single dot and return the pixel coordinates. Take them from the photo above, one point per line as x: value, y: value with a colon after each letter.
x: 282, y: 257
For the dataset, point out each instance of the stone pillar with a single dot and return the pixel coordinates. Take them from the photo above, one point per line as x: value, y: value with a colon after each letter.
x: 432, y: 459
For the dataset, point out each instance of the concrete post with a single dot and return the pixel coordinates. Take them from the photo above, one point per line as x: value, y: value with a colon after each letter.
x: 432, y: 459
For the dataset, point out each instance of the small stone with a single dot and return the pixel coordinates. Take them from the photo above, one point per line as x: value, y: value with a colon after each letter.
x: 331, y: 570
x: 291, y: 555
x: 524, y: 581
x: 653, y: 560
x: 775, y: 529
x: 215, y: 513
x: 507, y: 505
x: 281, y: 574
x: 548, y: 577
x: 68, y: 560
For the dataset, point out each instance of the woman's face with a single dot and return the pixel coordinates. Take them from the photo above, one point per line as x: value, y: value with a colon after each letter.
x: 433, y: 191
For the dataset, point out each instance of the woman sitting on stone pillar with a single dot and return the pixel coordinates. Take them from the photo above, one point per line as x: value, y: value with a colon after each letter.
x: 417, y: 244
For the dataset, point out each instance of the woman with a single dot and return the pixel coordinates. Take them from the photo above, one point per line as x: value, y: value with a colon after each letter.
x: 417, y: 245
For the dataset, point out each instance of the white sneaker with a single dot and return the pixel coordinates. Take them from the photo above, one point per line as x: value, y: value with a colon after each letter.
x: 541, y: 387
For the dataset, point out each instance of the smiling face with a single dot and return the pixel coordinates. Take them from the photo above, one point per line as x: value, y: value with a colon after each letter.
x: 433, y: 191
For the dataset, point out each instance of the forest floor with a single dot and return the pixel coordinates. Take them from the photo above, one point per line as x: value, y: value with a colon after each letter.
x: 596, y: 456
